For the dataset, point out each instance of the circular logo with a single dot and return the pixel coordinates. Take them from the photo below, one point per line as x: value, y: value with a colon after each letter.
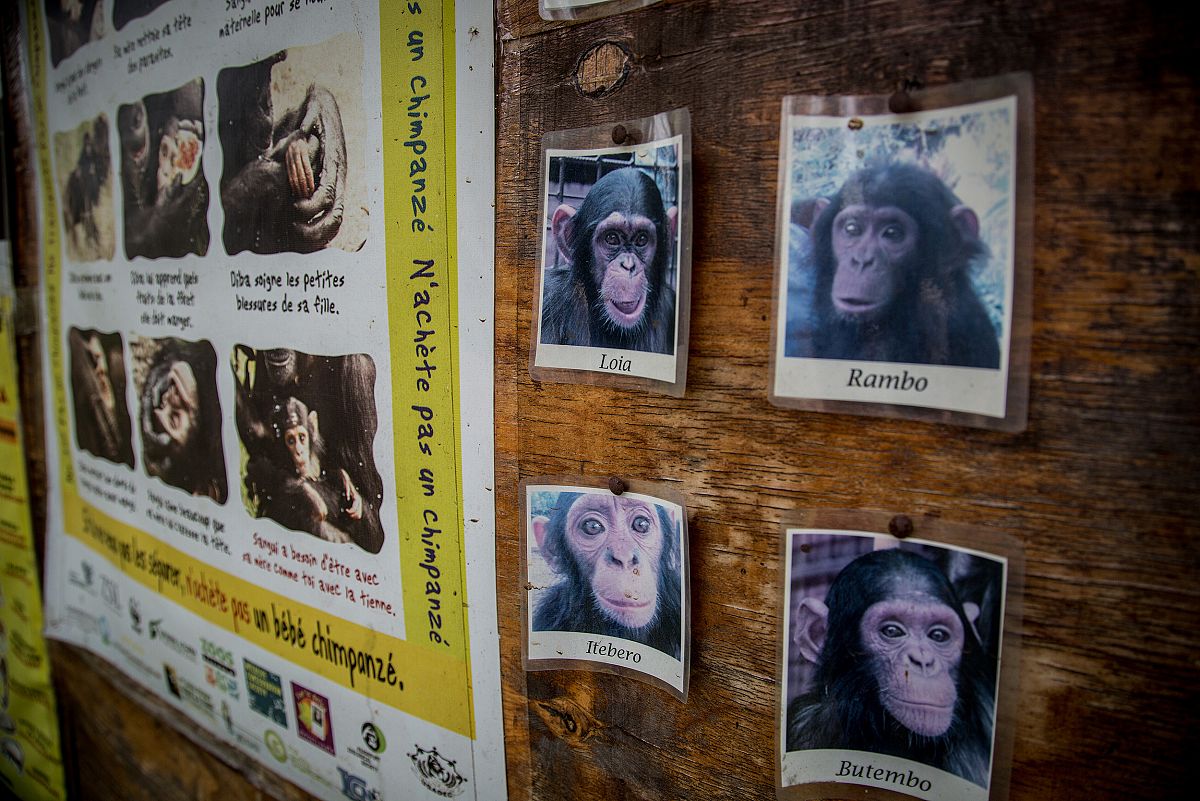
x: 275, y: 745
x: 372, y: 737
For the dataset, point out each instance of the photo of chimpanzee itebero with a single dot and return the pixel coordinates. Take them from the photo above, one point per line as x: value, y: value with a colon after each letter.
x: 292, y: 131
x: 891, y: 648
x: 85, y: 189
x: 610, y: 249
x: 307, y: 426
x: 162, y: 173
x: 70, y: 24
x: 179, y: 414
x: 899, y: 238
x: 608, y: 565
x: 102, y: 424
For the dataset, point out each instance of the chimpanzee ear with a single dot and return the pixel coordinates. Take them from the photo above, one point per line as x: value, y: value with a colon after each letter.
x: 806, y: 212
x: 673, y: 223
x: 563, y: 226
x: 966, y: 220
x: 971, y: 611
x: 312, y: 422
x: 812, y: 620
x: 540, y: 526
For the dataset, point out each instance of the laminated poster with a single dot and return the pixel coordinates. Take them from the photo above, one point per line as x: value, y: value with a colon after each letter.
x: 30, y: 757
x: 268, y: 361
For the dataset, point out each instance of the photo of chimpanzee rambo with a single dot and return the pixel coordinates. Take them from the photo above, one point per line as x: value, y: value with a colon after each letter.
x: 611, y: 259
x: 307, y: 426
x: 179, y: 414
x: 125, y: 11
x: 292, y: 131
x: 162, y: 175
x: 85, y: 190
x: 892, y: 654
x: 70, y: 24
x: 609, y: 573
x: 897, y: 257
x: 102, y: 424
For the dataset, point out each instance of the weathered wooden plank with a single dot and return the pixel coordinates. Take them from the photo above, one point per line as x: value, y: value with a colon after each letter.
x: 1098, y: 488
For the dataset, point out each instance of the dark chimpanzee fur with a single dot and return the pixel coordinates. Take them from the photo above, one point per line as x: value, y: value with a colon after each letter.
x: 934, y: 317
x: 570, y: 605
x: 86, y: 180
x: 843, y: 709
x: 573, y: 310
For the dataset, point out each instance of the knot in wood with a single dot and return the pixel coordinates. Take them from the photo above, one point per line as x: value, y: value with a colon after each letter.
x: 602, y: 69
x: 565, y: 719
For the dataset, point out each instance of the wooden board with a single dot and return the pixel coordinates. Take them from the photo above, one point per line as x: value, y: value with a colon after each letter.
x: 1099, y: 488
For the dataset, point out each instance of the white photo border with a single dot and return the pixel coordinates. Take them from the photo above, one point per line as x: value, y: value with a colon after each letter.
x: 555, y: 650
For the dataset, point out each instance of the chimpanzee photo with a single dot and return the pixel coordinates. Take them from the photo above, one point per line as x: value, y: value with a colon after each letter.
x: 71, y: 24
x: 179, y: 414
x: 307, y: 426
x: 614, y: 564
x: 102, y: 424
x: 125, y: 11
x: 290, y: 182
x: 162, y: 176
x: 886, y: 655
x: 890, y: 261
x: 84, y: 162
x: 610, y: 273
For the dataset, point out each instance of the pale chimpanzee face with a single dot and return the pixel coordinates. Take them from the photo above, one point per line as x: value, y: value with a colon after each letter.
x: 622, y: 541
x: 100, y: 369
x: 299, y: 445
x: 872, y: 246
x: 178, y: 405
x: 916, y: 643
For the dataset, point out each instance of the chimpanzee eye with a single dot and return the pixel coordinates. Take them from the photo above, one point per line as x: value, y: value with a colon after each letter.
x: 939, y: 634
x: 642, y: 239
x: 852, y: 228
x: 592, y: 527
x: 641, y: 524
x: 894, y: 233
x: 611, y: 238
x: 891, y: 631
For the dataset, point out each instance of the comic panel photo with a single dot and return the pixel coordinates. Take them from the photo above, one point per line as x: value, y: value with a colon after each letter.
x: 70, y: 24
x: 292, y: 133
x: 897, y: 257
x: 891, y: 653
x: 608, y: 580
x: 102, y: 425
x: 610, y: 260
x: 85, y: 190
x: 307, y: 426
x: 162, y: 176
x: 179, y: 414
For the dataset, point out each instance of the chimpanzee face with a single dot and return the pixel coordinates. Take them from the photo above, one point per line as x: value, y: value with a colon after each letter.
x: 618, y: 542
x: 873, y: 247
x: 177, y: 403
x: 299, y: 445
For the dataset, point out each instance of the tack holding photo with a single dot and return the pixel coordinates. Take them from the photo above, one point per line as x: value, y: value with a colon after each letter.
x: 102, y: 424
x: 179, y: 414
x: 891, y: 663
x: 608, y: 583
x: 292, y: 130
x: 307, y: 426
x: 897, y: 259
x: 611, y: 260
x: 162, y: 174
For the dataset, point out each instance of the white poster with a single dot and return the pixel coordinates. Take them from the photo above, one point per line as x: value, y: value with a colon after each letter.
x: 268, y: 352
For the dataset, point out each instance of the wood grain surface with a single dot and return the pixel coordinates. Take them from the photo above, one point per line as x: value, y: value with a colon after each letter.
x: 1099, y: 488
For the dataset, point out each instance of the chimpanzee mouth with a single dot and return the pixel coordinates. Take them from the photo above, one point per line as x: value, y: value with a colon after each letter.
x: 626, y: 312
x: 855, y: 306
x: 626, y: 603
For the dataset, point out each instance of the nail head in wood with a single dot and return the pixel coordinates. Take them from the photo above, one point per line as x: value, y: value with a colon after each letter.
x: 616, y: 486
x: 900, y: 527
